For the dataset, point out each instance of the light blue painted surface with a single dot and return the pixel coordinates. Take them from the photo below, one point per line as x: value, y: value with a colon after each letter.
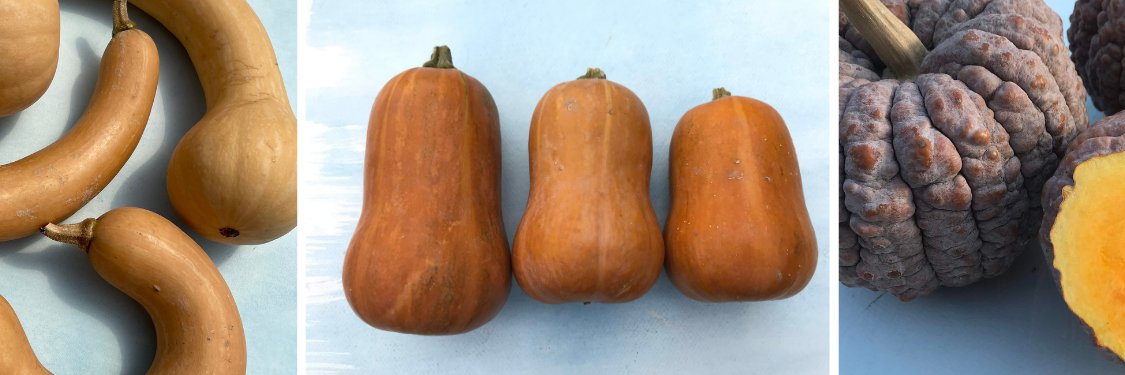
x: 1014, y: 324
x: 79, y: 324
x: 671, y: 54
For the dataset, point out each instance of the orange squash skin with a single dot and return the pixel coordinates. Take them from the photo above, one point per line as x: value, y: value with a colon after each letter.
x: 738, y: 229
x: 589, y: 232
x: 429, y: 255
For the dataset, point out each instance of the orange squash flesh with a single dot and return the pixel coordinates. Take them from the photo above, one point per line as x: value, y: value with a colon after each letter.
x: 429, y: 255
x: 589, y: 232
x: 1092, y: 266
x: 738, y: 229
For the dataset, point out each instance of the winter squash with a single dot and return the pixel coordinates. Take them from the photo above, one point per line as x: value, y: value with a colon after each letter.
x: 29, y: 50
x: 233, y: 176
x: 1081, y: 234
x: 738, y: 229
x: 942, y: 171
x: 1095, y: 48
x: 18, y: 356
x: 589, y: 232
x: 198, y: 328
x: 53, y: 183
x: 429, y: 254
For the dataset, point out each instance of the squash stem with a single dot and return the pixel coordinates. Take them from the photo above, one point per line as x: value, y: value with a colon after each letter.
x: 121, y: 21
x: 442, y: 58
x: 719, y: 93
x: 593, y: 73
x: 79, y: 234
x: 892, y: 40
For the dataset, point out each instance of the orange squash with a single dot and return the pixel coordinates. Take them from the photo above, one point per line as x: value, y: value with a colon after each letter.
x: 738, y: 229
x: 589, y: 232
x: 429, y: 255
x: 29, y: 51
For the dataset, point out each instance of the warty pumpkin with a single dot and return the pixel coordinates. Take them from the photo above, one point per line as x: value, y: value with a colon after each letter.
x: 233, y: 176
x: 1081, y: 233
x: 1096, y: 39
x: 53, y: 183
x: 198, y: 328
x: 429, y: 254
x: 589, y: 232
x: 738, y: 229
x: 942, y: 172
x: 29, y: 51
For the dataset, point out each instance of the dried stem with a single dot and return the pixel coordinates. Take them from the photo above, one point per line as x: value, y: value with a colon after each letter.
x: 79, y: 234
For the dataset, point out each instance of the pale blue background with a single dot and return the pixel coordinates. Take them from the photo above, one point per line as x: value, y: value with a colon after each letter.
x: 671, y: 53
x: 76, y: 322
x: 1014, y: 324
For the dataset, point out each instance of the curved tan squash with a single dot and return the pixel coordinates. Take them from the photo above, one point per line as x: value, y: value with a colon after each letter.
x: 738, y: 229
x: 198, y: 329
x: 589, y: 232
x: 16, y: 355
x: 53, y: 183
x: 233, y: 177
x: 429, y: 255
x: 29, y: 51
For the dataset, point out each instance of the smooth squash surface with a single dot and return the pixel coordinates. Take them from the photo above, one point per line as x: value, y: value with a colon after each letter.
x: 29, y: 51
x: 53, y: 183
x: 198, y: 328
x: 233, y: 177
x: 16, y: 355
x: 738, y: 229
x: 429, y: 254
x: 589, y: 232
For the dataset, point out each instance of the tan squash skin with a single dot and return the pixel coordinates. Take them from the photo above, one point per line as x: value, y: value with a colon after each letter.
x: 738, y: 229
x: 429, y: 255
x: 233, y: 177
x: 16, y: 355
x: 589, y: 232
x: 198, y: 329
x: 29, y: 51
x: 53, y: 183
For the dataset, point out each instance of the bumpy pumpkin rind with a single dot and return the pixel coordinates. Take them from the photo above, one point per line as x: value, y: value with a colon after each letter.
x: 1096, y: 39
x: 941, y: 176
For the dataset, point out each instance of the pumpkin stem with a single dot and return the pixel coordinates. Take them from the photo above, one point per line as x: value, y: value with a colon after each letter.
x: 719, y: 93
x: 79, y: 234
x: 892, y: 40
x: 593, y: 73
x: 442, y: 58
x: 121, y: 21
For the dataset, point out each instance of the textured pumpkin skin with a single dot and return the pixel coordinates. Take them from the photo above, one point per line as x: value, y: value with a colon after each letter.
x: 738, y: 229
x: 29, y: 51
x: 429, y: 254
x: 589, y: 232
x: 941, y: 175
x: 233, y: 176
x: 18, y: 358
x: 1095, y: 46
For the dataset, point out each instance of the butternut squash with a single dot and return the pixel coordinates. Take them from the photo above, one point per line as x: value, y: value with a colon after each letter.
x: 589, y: 232
x: 198, y: 329
x: 29, y: 51
x: 53, y: 183
x: 429, y: 255
x: 233, y: 176
x: 16, y: 355
x: 738, y: 229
